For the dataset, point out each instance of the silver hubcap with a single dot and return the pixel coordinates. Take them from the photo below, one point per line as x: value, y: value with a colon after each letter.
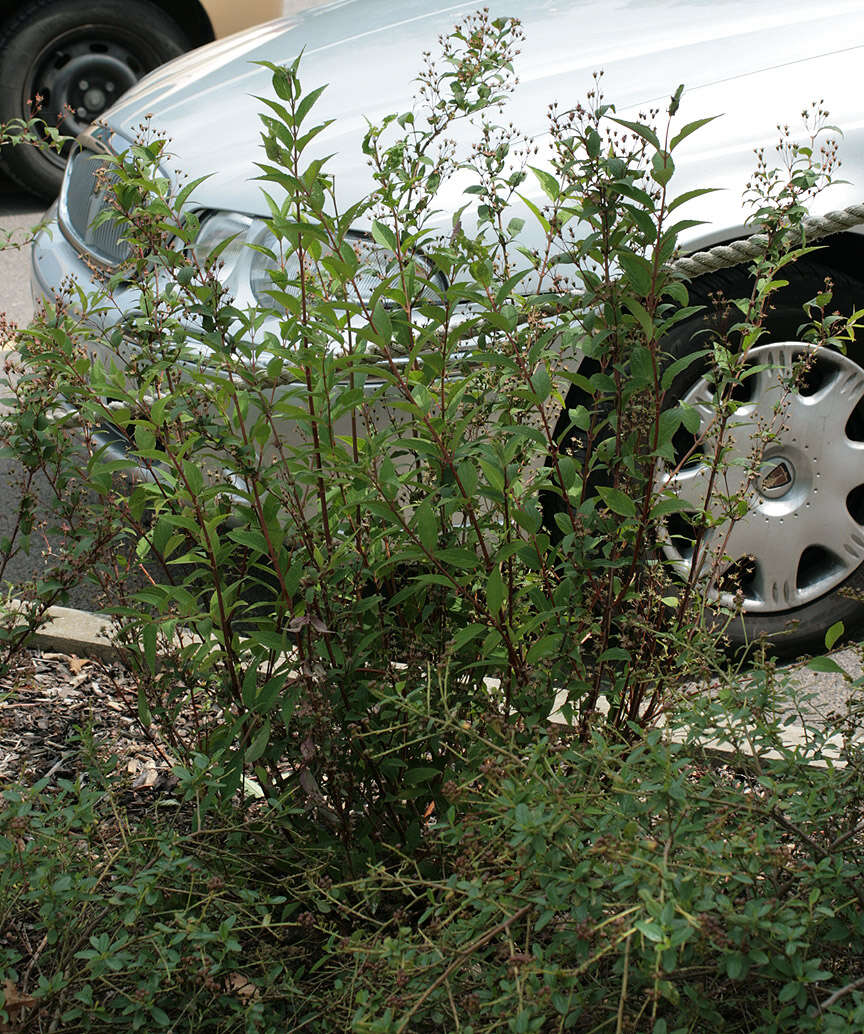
x: 776, y: 478
x: 790, y: 459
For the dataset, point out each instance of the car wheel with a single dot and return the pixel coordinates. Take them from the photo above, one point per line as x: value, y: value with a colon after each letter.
x: 78, y: 56
x: 791, y: 566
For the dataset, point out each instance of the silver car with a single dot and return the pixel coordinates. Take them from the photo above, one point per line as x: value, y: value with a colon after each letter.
x: 798, y: 552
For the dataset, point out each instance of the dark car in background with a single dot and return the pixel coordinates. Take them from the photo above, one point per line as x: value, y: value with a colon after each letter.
x: 70, y: 60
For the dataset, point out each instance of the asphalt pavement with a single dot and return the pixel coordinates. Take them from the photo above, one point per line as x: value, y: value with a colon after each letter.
x: 18, y: 214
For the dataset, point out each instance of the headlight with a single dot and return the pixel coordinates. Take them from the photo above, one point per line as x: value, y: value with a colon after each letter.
x: 219, y: 227
x: 255, y: 253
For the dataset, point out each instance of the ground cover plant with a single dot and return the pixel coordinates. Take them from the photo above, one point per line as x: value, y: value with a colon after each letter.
x: 390, y: 523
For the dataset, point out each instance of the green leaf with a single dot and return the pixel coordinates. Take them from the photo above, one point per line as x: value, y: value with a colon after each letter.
x: 542, y: 383
x: 662, y: 168
x: 250, y: 686
x: 306, y: 103
x: 383, y: 235
x: 148, y: 637
x: 641, y: 366
x: 422, y: 774
x: 548, y: 646
x: 825, y: 664
x: 674, y: 369
x: 638, y: 271
x: 643, y: 316
x: 145, y: 440
x: 426, y: 525
x: 675, y: 101
x: 689, y: 195
x: 691, y: 127
x: 544, y: 919
x: 269, y: 694
x: 183, y: 195
x: 736, y: 965
x: 580, y: 417
x: 646, y: 132
x: 669, y: 504
x: 653, y: 931
x: 455, y: 557
x: 494, y: 591
x: 259, y: 744
x: 548, y: 182
x: 643, y: 220
x: 833, y: 634
x: 193, y: 476
x: 382, y: 324
x: 690, y: 417
x: 144, y: 715
x: 468, y: 477
x: 617, y: 501
x: 282, y: 83
x: 465, y: 635
x: 614, y: 653
x: 538, y: 215
x: 670, y: 421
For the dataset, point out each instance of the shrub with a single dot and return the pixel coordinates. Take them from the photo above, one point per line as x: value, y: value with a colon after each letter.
x: 144, y: 927
x: 646, y: 888
x: 390, y: 523
x: 563, y: 886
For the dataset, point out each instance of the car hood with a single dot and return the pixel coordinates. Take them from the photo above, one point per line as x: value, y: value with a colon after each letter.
x: 756, y: 65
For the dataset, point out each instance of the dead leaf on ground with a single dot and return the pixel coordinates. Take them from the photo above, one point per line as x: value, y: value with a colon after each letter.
x: 146, y: 778
x: 246, y: 991
x: 14, y: 1003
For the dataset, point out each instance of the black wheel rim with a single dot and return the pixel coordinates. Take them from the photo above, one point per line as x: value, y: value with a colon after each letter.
x: 77, y: 77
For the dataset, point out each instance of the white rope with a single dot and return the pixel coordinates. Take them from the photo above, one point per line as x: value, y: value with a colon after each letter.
x: 725, y: 255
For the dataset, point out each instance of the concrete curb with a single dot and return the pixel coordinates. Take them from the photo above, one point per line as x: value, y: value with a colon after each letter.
x: 795, y: 736
x: 77, y: 631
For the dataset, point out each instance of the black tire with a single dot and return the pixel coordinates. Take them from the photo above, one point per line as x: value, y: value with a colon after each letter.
x: 798, y: 629
x: 79, y: 55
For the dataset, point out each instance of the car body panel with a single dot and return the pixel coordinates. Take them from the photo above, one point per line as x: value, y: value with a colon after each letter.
x: 753, y: 66
x: 720, y: 51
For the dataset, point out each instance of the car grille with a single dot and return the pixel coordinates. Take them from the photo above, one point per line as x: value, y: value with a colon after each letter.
x: 85, y: 195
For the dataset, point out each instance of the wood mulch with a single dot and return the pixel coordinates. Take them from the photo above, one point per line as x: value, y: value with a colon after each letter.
x: 56, y: 707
